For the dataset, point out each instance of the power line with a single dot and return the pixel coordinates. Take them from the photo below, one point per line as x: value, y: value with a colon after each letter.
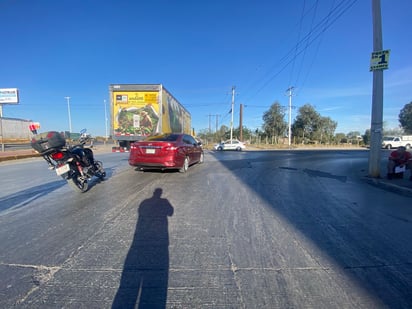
x: 306, y: 47
x: 334, y: 14
x: 296, y: 46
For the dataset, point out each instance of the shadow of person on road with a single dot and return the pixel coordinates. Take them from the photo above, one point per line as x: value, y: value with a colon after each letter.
x: 145, y: 274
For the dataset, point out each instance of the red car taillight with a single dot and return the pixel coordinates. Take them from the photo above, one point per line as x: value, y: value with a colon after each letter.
x: 57, y: 155
x: 171, y: 148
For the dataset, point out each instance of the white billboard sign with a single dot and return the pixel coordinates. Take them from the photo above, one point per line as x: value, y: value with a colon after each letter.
x: 9, y: 96
x: 380, y: 60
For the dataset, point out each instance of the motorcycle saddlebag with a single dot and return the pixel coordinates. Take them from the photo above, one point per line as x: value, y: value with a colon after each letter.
x: 47, y: 141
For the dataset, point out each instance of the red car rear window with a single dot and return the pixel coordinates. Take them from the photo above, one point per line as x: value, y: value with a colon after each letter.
x: 164, y: 138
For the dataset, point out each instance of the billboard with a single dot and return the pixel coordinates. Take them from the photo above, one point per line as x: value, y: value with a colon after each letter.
x: 9, y: 96
x: 135, y: 112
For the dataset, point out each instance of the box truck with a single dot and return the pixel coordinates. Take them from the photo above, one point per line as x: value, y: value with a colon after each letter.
x: 141, y: 110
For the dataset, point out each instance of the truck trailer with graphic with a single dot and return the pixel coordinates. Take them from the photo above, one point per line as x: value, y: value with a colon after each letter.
x: 141, y: 110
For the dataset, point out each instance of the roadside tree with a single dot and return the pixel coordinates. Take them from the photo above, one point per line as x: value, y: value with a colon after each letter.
x: 405, y: 118
x: 354, y: 137
x: 341, y: 138
x: 325, y: 130
x: 274, y: 124
x: 310, y: 126
x: 305, y: 123
x: 367, y: 137
x: 247, y: 134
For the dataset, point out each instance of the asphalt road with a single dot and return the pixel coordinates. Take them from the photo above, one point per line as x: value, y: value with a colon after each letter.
x: 275, y: 229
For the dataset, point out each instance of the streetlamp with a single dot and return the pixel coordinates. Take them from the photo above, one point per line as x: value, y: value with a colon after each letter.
x: 68, y: 111
x: 105, y: 119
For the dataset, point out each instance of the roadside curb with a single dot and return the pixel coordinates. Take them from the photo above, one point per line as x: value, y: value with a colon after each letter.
x: 391, y: 187
x: 18, y: 156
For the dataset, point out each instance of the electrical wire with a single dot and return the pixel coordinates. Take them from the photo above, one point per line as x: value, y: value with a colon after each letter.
x: 296, y: 46
x: 306, y: 47
x: 334, y: 14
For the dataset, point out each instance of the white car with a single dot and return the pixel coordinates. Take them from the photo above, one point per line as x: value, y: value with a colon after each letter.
x: 230, y: 145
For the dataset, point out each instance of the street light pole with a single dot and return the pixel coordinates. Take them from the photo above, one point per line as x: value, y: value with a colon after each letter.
x: 68, y: 110
x: 105, y: 119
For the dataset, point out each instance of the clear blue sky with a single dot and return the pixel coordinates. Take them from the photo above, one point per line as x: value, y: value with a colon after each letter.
x: 198, y: 50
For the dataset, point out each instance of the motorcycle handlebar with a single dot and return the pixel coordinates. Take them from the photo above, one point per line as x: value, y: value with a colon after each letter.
x: 84, y: 138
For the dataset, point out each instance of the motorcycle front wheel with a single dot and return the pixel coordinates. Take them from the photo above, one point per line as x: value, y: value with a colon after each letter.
x: 78, y: 183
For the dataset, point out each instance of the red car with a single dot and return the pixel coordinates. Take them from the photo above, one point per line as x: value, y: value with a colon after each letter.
x: 166, y: 151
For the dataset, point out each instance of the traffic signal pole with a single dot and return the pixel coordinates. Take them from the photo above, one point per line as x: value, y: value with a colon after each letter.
x: 377, y: 97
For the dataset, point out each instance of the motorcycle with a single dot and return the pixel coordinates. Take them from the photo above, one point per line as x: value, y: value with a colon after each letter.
x: 74, y: 163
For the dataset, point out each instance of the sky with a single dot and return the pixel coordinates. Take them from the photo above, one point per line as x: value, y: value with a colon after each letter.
x: 199, y: 51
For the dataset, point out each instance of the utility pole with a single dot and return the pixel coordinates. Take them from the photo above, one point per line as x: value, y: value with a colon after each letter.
x: 68, y: 110
x: 210, y: 127
x: 377, y: 96
x: 217, y: 122
x: 233, y: 111
x: 290, y: 90
x: 210, y: 122
x: 241, y: 123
